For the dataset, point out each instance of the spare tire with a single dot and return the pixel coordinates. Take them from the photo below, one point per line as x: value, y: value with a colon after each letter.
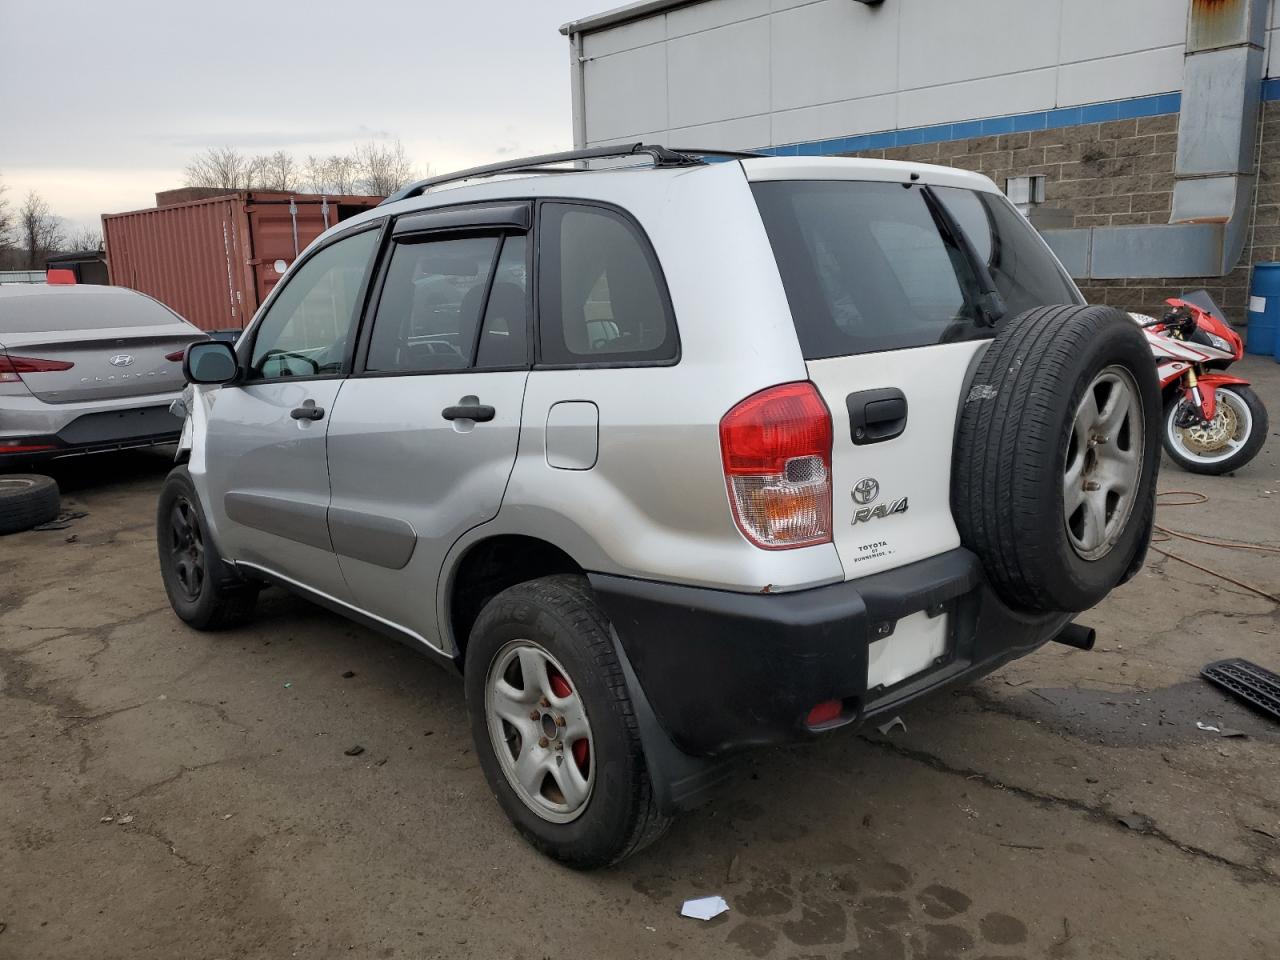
x: 1057, y: 450
x: 27, y: 499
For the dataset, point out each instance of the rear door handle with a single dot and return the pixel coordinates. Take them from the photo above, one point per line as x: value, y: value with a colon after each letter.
x: 308, y: 411
x: 479, y: 412
x: 876, y: 415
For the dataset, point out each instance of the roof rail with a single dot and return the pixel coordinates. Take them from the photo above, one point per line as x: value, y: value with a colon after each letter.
x: 729, y: 154
x: 662, y: 157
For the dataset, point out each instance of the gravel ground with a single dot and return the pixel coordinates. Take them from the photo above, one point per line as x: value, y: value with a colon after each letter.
x: 165, y: 793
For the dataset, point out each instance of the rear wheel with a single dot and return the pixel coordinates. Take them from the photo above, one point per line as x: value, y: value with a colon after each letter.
x: 204, y: 591
x: 554, y: 726
x: 1228, y: 442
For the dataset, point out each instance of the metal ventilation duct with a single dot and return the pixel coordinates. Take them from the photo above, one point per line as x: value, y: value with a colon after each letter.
x: 1217, y: 128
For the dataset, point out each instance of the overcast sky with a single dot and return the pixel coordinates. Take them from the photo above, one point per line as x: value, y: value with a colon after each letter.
x: 103, y: 103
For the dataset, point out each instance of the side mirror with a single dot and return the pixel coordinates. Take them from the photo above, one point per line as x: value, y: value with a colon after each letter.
x: 210, y: 361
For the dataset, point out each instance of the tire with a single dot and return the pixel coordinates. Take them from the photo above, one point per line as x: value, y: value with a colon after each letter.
x: 1024, y: 422
x: 553, y: 626
x: 27, y: 500
x: 205, y: 592
x: 1251, y: 417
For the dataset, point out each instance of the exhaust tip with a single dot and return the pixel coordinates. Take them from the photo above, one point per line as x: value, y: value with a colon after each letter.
x: 1076, y: 635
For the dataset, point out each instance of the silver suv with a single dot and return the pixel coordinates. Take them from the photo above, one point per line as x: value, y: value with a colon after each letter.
x: 671, y: 459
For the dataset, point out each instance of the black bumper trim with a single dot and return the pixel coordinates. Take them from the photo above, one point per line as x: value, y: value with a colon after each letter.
x: 722, y: 671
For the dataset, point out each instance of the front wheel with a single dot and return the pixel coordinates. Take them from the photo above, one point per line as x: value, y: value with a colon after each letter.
x: 204, y: 591
x: 1226, y: 443
x: 554, y: 726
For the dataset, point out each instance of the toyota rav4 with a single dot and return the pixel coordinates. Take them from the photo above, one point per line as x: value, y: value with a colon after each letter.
x: 671, y: 459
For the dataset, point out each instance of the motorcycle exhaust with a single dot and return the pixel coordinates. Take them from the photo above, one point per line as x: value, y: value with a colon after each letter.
x: 1076, y: 635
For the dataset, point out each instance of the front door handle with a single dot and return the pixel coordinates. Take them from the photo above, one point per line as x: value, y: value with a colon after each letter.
x: 876, y: 415
x: 479, y: 412
x: 308, y: 411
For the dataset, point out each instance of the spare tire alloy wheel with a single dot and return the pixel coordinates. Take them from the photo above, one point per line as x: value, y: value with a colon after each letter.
x: 540, y: 732
x: 1103, y: 464
x: 1056, y: 454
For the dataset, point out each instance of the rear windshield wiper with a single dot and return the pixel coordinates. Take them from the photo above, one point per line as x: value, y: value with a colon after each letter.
x: 990, y: 304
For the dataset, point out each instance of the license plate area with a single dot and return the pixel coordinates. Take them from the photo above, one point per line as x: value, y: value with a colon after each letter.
x: 918, y: 642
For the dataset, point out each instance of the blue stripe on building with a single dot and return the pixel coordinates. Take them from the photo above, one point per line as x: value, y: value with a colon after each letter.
x: 1012, y: 123
x: 1152, y: 106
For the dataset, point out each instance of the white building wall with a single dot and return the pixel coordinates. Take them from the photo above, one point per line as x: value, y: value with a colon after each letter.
x: 753, y: 73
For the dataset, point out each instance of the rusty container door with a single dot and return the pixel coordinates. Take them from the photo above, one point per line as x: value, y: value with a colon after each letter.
x: 281, y: 226
x: 187, y: 256
x: 214, y: 261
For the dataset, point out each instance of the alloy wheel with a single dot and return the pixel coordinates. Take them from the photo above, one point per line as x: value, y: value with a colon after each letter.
x: 539, y: 730
x: 1103, y: 463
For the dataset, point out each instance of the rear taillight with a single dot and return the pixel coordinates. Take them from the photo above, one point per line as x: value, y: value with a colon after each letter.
x: 776, y: 447
x: 12, y: 368
x: 176, y: 355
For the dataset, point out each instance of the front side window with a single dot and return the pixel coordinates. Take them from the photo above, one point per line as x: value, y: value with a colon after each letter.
x: 602, y: 297
x: 308, y: 325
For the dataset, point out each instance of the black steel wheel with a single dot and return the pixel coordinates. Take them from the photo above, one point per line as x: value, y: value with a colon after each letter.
x: 204, y: 591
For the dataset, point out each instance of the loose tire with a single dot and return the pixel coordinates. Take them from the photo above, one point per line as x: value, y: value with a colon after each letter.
x: 204, y: 591
x: 554, y: 726
x: 1238, y: 431
x: 1057, y: 451
x: 27, y: 500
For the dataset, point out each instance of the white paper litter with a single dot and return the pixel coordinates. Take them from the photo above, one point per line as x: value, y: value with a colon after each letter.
x: 1205, y: 726
x: 704, y: 908
x: 892, y: 725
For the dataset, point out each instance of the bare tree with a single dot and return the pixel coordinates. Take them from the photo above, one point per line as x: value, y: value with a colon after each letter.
x: 275, y: 171
x: 375, y: 167
x: 221, y: 167
x: 383, y: 168
x: 40, y: 230
x: 334, y: 174
x: 86, y: 238
x: 6, y: 221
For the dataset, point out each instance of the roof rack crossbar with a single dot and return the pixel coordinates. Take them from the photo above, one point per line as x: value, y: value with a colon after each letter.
x: 662, y: 157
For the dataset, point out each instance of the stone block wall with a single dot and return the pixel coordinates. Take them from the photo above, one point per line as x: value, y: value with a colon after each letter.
x: 1120, y: 173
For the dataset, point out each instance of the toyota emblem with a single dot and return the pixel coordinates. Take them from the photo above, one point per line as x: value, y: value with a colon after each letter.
x: 866, y: 490
x: 121, y: 360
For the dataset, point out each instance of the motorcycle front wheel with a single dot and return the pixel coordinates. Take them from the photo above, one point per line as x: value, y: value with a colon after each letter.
x: 1227, y: 443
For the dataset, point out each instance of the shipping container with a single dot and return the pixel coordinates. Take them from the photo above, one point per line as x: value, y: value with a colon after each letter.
x: 214, y: 259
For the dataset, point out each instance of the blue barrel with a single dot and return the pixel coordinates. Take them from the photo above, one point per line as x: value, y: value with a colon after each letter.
x: 1263, y: 335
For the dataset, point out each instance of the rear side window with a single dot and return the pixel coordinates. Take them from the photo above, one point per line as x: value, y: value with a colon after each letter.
x: 602, y: 297
x: 866, y: 266
x: 504, y: 335
x: 431, y: 304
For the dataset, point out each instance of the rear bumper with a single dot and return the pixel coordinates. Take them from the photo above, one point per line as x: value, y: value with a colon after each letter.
x: 33, y: 430
x: 723, y: 671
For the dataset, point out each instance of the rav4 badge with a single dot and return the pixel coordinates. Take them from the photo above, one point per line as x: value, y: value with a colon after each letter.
x: 864, y: 513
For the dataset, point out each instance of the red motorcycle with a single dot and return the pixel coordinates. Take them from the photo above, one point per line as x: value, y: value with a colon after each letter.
x: 1213, y: 422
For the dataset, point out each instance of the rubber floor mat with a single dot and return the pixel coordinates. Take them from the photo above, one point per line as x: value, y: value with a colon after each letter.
x: 1255, y: 685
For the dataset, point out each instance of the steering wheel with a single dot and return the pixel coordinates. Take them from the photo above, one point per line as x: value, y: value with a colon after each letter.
x: 275, y: 353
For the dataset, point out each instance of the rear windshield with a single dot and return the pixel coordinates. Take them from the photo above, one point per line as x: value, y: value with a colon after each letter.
x: 79, y: 310
x: 867, y: 267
